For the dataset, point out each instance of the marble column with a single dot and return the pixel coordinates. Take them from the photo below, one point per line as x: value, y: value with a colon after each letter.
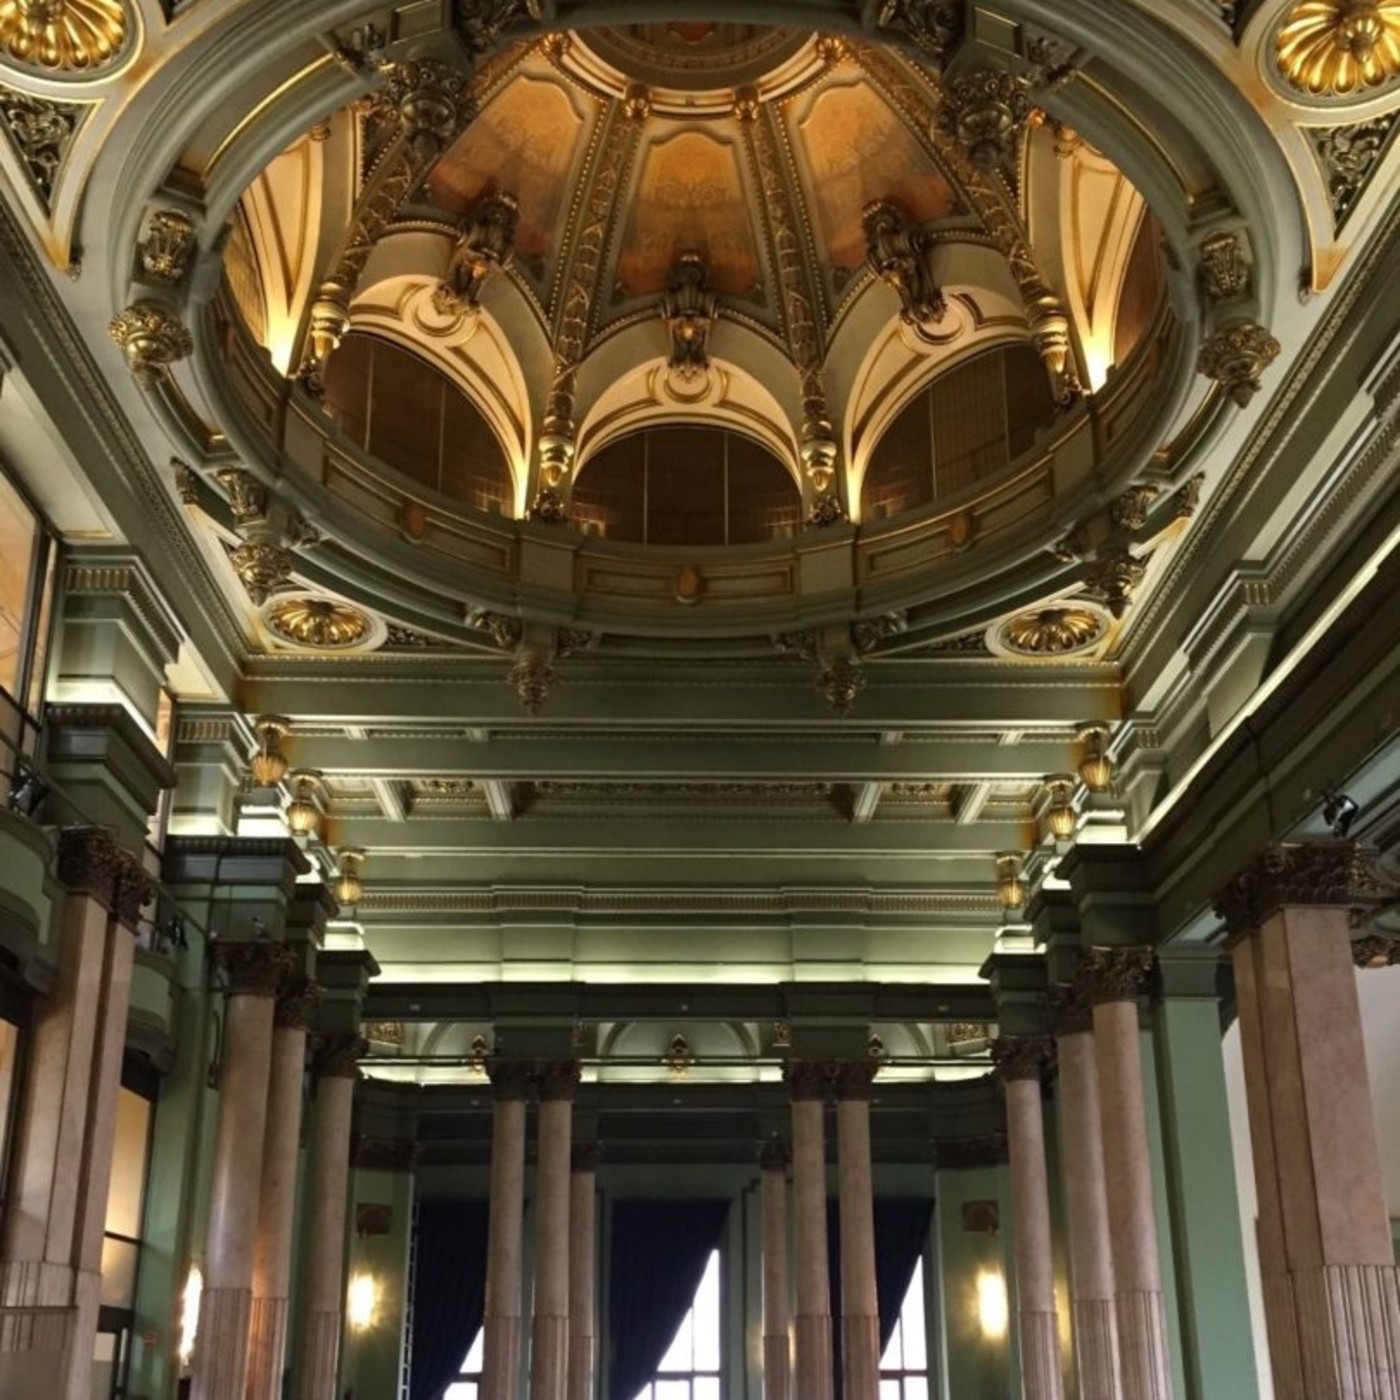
x: 321, y: 1296
x: 549, y: 1332
x: 254, y: 971
x: 272, y: 1250
x: 1114, y: 979
x: 62, y: 1169
x: 812, y: 1375
x: 501, y: 1345
x: 1331, y: 1288
x: 1020, y: 1061
x: 773, y: 1160
x: 1095, y: 1328
x: 860, y: 1310
x: 583, y: 1269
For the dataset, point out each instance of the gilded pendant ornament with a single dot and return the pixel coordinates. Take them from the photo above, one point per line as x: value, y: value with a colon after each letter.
x: 152, y: 339
x: 63, y: 36
x: 323, y: 623
x: 1052, y: 631
x: 1334, y: 48
x: 1236, y: 356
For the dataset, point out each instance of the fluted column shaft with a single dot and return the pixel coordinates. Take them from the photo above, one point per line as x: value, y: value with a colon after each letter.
x: 860, y: 1311
x: 501, y: 1344
x: 1330, y: 1283
x: 549, y: 1332
x: 583, y: 1271
x: 777, y: 1306
x: 320, y: 1303
x: 812, y: 1379
x: 1115, y: 977
x: 272, y: 1253
x: 1086, y: 1214
x: 254, y: 970
x: 1020, y: 1062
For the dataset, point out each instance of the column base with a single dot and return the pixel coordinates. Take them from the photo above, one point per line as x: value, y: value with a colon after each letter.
x: 1041, y: 1378
x: 1142, y: 1345
x: 221, y: 1349
x: 500, y: 1358
x: 812, y: 1378
x: 1349, y: 1331
x: 1096, y: 1349
x: 860, y: 1357
x: 320, y: 1356
x: 549, y: 1357
x: 777, y: 1367
x: 267, y: 1348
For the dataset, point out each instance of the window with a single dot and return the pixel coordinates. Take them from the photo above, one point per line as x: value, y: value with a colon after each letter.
x: 467, y: 1386
x: 690, y: 1369
x: 10, y: 1051
x: 904, y: 1366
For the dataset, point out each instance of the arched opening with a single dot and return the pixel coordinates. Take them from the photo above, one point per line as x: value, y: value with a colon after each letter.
x: 413, y: 418
x: 683, y: 484
x: 959, y: 432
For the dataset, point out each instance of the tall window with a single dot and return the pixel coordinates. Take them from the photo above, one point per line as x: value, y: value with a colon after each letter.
x: 904, y: 1366
x: 691, y: 1367
x: 467, y: 1386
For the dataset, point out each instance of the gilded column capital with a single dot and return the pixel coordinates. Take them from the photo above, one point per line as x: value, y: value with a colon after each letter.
x: 510, y: 1079
x: 88, y: 861
x: 297, y: 1000
x: 807, y: 1079
x: 854, y: 1079
x: 556, y: 1080
x: 1321, y: 874
x: 583, y: 1156
x: 252, y: 968
x: 1117, y: 974
x: 1022, y: 1056
x: 1069, y: 1008
x: 338, y: 1055
x: 774, y: 1154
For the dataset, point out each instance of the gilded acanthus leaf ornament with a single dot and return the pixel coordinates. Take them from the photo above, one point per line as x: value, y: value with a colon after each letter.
x: 1235, y: 356
x: 986, y: 111
x: 1224, y: 266
x: 62, y: 36
x: 152, y: 338
x: 899, y: 253
x: 41, y: 132
x: 840, y: 683
x: 1129, y: 511
x: 1327, y: 874
x: 689, y: 307
x: 1334, y: 48
x: 1117, y: 974
x: 932, y: 26
x: 432, y: 102
x: 168, y: 246
x: 1113, y: 576
x: 1022, y: 1056
x: 485, y: 245
x: 482, y: 22
x: 531, y: 677
x: 262, y: 567
x: 247, y: 496
x: 1348, y: 155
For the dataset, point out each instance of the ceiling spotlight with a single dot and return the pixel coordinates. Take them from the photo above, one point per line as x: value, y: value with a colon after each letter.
x: 269, y: 763
x: 1095, y: 767
x: 1339, y: 811
x: 1011, y: 893
x: 1060, y: 816
x: 303, y: 815
x: 349, y: 887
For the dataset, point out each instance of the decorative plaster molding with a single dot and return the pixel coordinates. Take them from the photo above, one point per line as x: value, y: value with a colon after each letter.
x: 1117, y: 974
x: 1327, y: 874
x: 253, y: 968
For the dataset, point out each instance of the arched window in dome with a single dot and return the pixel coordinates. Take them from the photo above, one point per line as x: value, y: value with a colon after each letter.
x: 413, y: 418
x: 962, y: 430
x: 686, y: 484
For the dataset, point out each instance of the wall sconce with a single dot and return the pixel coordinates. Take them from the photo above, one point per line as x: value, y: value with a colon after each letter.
x: 303, y: 813
x: 1060, y: 816
x: 992, y: 1310
x: 1095, y: 767
x: 1011, y: 893
x: 189, y: 1314
x: 362, y: 1302
x: 348, y: 886
x: 269, y: 764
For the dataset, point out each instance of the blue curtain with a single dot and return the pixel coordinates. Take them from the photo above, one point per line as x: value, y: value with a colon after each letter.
x: 901, y: 1230
x: 449, y: 1291
x: 657, y: 1258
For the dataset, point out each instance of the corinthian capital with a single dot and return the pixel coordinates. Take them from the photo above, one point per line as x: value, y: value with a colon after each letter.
x: 253, y: 968
x: 1117, y: 974
x: 1022, y: 1056
x: 1327, y: 874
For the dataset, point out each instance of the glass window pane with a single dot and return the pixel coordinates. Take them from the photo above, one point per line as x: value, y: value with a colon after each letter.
x: 672, y: 1390
x: 889, y: 1390
x: 706, y: 1315
x: 916, y: 1388
x: 128, y: 1165
x: 911, y: 1323
x: 18, y: 538
x: 34, y: 702
x: 471, y: 1363
x: 460, y: 1390
x: 707, y: 1388
x: 119, y: 1272
x: 679, y: 1353
x: 893, y: 1359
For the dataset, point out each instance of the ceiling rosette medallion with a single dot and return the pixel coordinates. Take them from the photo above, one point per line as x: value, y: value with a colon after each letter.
x: 63, y: 36
x: 320, y: 624
x: 1339, y: 48
x: 1066, y: 629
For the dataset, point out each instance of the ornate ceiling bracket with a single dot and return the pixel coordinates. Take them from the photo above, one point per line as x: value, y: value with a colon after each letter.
x: 165, y: 252
x: 689, y: 307
x: 152, y: 338
x: 534, y: 650
x: 1114, y: 576
x: 424, y: 104
x: 481, y: 23
x: 1235, y: 356
x: 485, y: 244
x: 838, y: 653
x: 932, y: 27
x: 899, y: 253
x: 556, y: 447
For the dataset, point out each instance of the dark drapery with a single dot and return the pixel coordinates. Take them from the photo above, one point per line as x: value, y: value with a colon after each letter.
x: 449, y: 1291
x: 658, y: 1256
x: 901, y: 1230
